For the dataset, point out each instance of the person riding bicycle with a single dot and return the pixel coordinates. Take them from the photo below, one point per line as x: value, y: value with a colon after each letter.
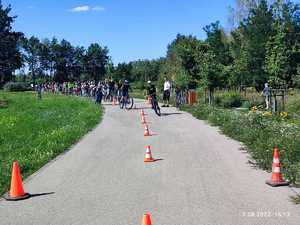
x: 151, y: 91
x: 125, y: 100
x: 125, y: 89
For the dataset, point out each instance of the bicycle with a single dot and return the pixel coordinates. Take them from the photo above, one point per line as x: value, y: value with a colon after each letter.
x: 155, y: 105
x: 180, y: 99
x: 127, y: 102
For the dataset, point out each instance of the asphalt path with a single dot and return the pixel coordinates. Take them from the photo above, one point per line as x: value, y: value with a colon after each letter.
x: 201, y: 178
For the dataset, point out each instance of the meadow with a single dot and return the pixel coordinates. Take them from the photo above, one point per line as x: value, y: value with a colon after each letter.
x: 35, y: 131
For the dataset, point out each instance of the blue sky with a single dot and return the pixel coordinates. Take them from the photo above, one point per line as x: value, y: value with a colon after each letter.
x: 132, y: 29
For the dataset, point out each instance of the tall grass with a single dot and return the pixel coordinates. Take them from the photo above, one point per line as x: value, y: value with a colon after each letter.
x: 35, y: 131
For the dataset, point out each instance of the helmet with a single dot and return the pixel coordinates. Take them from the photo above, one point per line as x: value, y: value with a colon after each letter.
x: 149, y: 82
x: 126, y: 81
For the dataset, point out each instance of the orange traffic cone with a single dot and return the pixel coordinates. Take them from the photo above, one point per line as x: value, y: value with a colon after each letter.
x: 16, y: 186
x: 146, y: 131
x: 276, y: 179
x: 143, y: 120
x: 146, y: 219
x: 148, y: 155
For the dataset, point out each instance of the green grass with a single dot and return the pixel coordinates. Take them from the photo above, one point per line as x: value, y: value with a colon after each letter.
x: 295, y: 199
x: 35, y: 131
x: 138, y: 93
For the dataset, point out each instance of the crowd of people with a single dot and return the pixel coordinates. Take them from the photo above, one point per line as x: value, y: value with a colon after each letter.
x: 104, y: 90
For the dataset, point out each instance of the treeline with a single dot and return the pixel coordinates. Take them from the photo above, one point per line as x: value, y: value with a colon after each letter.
x: 60, y: 61
x: 46, y: 60
x: 263, y: 46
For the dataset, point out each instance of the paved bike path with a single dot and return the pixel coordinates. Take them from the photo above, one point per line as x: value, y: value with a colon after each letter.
x: 202, y: 178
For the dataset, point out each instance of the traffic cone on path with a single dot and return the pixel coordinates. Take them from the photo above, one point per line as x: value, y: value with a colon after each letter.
x: 16, y: 187
x: 146, y: 219
x: 276, y: 179
x: 148, y: 155
x: 146, y: 131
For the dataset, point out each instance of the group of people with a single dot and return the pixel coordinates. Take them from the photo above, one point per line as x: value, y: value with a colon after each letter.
x: 106, y: 90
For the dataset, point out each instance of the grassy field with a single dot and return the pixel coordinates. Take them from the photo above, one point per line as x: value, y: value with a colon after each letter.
x: 137, y: 93
x: 35, y: 131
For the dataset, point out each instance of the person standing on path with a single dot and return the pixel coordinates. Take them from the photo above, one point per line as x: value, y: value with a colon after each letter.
x: 99, y: 94
x: 266, y: 93
x: 167, y: 92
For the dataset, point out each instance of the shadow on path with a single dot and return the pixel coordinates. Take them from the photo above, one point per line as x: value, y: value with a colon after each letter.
x: 40, y: 194
x: 170, y: 114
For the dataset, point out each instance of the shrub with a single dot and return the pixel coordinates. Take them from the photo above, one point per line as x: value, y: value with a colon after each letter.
x: 17, y: 86
x: 231, y: 99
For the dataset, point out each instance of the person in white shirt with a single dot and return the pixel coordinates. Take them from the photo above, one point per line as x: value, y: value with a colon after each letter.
x: 167, y: 92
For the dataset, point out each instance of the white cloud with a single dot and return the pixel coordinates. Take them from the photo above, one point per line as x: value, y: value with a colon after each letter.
x: 98, y: 8
x: 83, y: 8
x: 86, y: 8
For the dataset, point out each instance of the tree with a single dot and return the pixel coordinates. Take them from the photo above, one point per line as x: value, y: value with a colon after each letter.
x: 77, y: 62
x: 63, y: 55
x: 123, y: 71
x: 46, y: 57
x: 10, y: 55
x: 183, y: 57
x: 96, y: 61
x: 283, y: 48
x: 240, y: 11
x: 255, y: 32
x: 32, y: 49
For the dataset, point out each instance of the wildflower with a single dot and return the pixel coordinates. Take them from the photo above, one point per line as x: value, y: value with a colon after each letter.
x: 267, y: 114
x: 254, y: 109
x: 284, y: 115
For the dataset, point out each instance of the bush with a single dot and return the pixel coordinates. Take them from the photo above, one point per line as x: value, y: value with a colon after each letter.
x: 17, y: 86
x: 229, y: 99
x: 232, y: 99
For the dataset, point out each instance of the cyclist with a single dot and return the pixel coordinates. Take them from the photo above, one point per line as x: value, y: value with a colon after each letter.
x: 125, y: 88
x: 151, y: 91
x: 125, y: 93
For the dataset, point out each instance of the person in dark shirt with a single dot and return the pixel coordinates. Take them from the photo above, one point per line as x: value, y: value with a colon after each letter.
x: 111, y: 89
x: 151, y: 91
x: 125, y: 89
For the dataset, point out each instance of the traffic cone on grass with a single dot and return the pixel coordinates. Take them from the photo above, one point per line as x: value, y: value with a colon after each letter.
x: 148, y: 155
x: 146, y: 131
x: 16, y: 187
x: 146, y: 219
x: 276, y: 178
